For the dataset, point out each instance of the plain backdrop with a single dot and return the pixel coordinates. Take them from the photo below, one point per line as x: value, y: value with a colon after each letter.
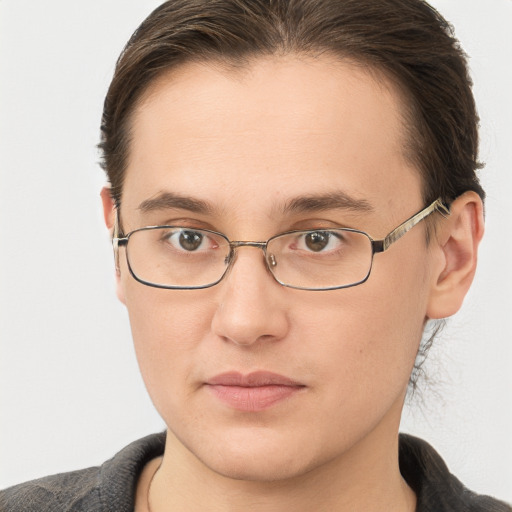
x: 70, y: 391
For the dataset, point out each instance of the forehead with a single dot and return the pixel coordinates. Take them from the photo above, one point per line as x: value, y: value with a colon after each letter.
x: 276, y: 127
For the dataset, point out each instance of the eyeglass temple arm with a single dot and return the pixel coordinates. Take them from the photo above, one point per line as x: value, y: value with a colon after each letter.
x: 117, y: 241
x: 400, y: 231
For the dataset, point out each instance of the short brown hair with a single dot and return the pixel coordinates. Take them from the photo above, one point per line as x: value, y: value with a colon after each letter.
x: 408, y: 40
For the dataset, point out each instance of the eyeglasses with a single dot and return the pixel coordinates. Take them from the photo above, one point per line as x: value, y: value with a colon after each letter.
x: 184, y: 258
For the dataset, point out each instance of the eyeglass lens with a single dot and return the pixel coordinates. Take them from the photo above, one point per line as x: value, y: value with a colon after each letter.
x: 180, y: 257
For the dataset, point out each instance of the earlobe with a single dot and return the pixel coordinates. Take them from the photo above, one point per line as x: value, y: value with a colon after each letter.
x: 456, y: 244
x: 109, y: 215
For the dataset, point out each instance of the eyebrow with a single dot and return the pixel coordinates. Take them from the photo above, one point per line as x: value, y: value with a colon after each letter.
x: 330, y: 201
x: 301, y: 204
x: 170, y: 200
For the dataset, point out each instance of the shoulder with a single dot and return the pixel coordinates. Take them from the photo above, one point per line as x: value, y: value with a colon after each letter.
x: 75, y: 491
x: 97, y: 489
x: 437, y: 489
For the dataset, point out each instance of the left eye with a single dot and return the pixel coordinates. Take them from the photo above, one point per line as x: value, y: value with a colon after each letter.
x: 318, y: 241
x: 190, y: 240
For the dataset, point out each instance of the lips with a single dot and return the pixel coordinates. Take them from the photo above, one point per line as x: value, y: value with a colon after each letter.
x: 254, y: 392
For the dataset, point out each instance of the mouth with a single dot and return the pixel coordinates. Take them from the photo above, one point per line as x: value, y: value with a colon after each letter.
x: 254, y: 392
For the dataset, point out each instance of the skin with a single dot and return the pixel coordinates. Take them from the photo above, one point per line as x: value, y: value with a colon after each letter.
x: 249, y: 141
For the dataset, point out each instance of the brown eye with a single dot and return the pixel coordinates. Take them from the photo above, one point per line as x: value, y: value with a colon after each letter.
x: 190, y: 240
x: 317, y: 241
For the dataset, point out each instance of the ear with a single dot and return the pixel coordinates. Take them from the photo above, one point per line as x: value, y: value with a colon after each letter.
x: 456, y: 245
x: 109, y: 214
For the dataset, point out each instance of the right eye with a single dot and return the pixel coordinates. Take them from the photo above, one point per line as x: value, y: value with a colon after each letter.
x: 189, y: 240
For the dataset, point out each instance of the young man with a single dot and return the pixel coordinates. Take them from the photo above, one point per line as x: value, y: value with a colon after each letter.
x: 292, y: 197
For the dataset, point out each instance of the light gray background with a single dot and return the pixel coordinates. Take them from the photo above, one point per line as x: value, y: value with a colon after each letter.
x: 71, y: 395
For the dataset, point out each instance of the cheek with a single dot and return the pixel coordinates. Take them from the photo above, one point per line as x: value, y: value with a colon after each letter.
x: 366, y: 338
x: 362, y: 342
x: 397, y: 301
x: 167, y: 328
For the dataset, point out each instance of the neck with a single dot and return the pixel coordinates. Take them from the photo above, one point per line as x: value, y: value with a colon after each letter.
x: 365, y: 479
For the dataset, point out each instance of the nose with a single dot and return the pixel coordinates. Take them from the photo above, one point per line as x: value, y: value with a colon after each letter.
x: 251, y: 305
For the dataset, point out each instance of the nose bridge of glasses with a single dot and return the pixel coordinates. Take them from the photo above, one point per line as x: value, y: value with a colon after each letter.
x: 269, y: 258
x: 241, y: 243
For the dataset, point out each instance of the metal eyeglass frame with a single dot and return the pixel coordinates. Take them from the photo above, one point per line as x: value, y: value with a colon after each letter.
x: 378, y: 246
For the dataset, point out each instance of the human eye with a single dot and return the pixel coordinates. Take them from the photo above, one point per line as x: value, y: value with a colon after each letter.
x: 189, y: 240
x: 320, y: 241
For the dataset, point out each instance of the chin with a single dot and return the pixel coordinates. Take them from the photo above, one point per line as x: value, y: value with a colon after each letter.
x: 263, y: 468
x: 256, y: 455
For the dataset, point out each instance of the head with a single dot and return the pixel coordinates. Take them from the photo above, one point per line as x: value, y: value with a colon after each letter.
x: 408, y: 42
x: 248, y: 118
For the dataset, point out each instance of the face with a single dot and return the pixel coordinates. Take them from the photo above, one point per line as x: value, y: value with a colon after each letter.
x: 247, y: 144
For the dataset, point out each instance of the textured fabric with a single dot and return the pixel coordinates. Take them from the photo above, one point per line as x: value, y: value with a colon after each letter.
x: 436, y: 488
x: 111, y: 487
x: 108, y: 488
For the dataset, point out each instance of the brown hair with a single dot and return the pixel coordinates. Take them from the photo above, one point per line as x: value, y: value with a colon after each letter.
x: 406, y: 39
